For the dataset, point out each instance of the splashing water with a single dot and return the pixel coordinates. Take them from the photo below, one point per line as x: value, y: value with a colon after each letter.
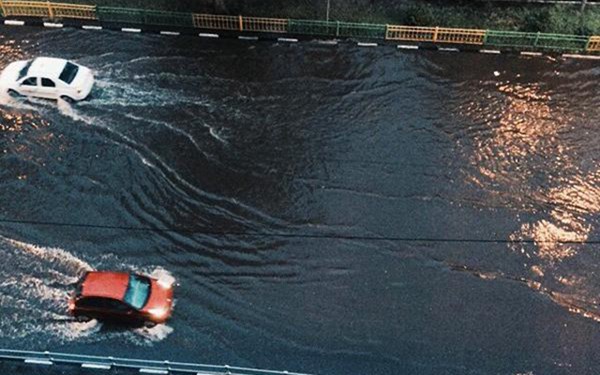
x: 36, y: 281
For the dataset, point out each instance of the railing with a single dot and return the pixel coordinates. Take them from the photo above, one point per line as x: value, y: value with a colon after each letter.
x: 144, y: 17
x: 535, y: 40
x: 337, y: 29
x: 268, y: 25
x: 47, y: 9
x: 435, y: 34
x: 593, y: 44
x: 117, y: 15
x: 138, y: 365
x: 209, y: 21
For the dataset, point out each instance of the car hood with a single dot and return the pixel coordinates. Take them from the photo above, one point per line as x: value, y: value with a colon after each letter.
x: 11, y: 72
x: 83, y: 78
x: 161, y: 298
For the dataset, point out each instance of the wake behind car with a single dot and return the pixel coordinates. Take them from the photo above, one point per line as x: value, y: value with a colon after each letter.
x: 122, y: 297
x: 47, y: 77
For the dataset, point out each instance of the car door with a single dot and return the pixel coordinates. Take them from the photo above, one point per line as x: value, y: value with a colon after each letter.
x: 103, y: 308
x: 47, y: 89
x: 121, y: 310
x: 28, y: 86
x: 89, y: 306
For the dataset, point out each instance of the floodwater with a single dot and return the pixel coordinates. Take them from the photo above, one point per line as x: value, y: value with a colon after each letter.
x: 331, y: 210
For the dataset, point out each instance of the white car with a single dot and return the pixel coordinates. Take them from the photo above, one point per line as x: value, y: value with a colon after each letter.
x: 47, y: 77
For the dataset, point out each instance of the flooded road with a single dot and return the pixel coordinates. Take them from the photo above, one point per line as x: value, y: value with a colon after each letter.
x: 332, y: 210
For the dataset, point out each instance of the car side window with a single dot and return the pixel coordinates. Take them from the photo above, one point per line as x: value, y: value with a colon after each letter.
x: 119, y: 306
x: 89, y: 303
x: 31, y: 81
x: 47, y: 82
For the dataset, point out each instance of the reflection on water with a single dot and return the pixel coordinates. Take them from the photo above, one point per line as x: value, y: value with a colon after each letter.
x: 525, y: 160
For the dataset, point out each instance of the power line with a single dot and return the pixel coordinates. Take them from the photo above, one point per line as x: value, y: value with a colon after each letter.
x: 334, y: 236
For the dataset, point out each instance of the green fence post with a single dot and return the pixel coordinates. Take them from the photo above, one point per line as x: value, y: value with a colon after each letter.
x: 485, y: 37
x: 337, y: 29
x: 537, y: 37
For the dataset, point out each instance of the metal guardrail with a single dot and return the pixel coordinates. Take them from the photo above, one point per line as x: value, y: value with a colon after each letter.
x: 214, y: 22
x: 268, y: 25
x: 435, y: 34
x: 139, y: 365
x: 47, y: 9
x: 144, y: 17
x: 337, y: 29
x: 593, y: 44
x: 536, y: 40
x: 493, y: 38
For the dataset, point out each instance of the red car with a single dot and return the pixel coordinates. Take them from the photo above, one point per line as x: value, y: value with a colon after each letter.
x: 122, y: 296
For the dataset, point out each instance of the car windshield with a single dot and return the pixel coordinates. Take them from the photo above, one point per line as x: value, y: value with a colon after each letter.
x: 24, y: 70
x: 138, y: 291
x: 69, y: 72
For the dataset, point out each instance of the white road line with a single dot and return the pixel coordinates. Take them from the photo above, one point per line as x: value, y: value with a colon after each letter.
x: 576, y: 56
x: 14, y: 22
x: 95, y: 366
x: 492, y: 51
x: 360, y: 44
x: 525, y: 53
x: 242, y: 37
x: 153, y: 371
x: 38, y: 361
x: 52, y: 24
x: 288, y: 40
x: 328, y: 42
x: 208, y: 35
x: 169, y: 33
x: 407, y: 46
x: 129, y: 30
x: 91, y: 27
x: 445, y: 49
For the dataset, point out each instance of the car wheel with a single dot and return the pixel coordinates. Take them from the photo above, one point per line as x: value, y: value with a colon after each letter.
x: 67, y: 99
x: 149, y: 324
x: 83, y: 318
x: 14, y: 93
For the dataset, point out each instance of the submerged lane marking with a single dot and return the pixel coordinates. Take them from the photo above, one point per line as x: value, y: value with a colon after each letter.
x: 328, y: 42
x: 37, y: 361
x: 91, y: 27
x: 130, y: 30
x: 576, y: 56
x: 446, y: 49
x: 526, y: 53
x: 95, y: 366
x: 208, y: 35
x: 492, y: 51
x: 14, y: 22
x: 52, y: 24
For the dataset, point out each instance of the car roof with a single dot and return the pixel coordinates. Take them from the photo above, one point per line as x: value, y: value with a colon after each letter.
x: 50, y: 67
x: 105, y: 284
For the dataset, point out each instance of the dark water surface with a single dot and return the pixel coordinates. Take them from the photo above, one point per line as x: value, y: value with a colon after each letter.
x: 331, y: 146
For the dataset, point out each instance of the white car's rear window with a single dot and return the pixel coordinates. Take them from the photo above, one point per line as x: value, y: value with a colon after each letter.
x: 24, y: 70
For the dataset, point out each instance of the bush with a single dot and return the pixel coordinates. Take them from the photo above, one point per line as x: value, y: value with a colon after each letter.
x: 557, y: 19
